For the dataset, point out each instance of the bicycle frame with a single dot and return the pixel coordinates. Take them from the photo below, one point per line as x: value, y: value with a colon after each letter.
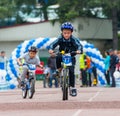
x: 29, y: 85
x: 66, y: 63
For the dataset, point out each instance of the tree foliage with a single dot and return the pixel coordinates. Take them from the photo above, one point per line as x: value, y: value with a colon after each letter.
x: 6, y: 8
x: 111, y: 8
x: 45, y: 4
x: 11, y: 8
x: 68, y: 10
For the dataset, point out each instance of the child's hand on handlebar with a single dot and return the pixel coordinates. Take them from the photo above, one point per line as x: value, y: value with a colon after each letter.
x: 78, y: 52
x: 20, y: 64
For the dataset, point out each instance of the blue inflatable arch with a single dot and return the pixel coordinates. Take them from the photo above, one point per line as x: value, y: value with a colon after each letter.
x: 43, y: 43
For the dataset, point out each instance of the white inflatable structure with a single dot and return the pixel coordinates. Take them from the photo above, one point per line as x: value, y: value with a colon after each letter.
x: 43, y: 43
x: 4, y: 85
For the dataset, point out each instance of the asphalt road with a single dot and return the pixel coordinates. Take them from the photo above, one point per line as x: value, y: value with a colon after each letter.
x: 90, y: 101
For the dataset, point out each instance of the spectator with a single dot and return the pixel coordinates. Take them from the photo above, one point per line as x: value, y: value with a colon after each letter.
x: 107, y: 65
x: 115, y: 51
x: 88, y: 61
x: 3, y: 60
x: 113, y: 61
x: 52, y: 66
x: 46, y: 77
x: 92, y: 70
x: 118, y: 66
x: 83, y: 69
x: 118, y: 54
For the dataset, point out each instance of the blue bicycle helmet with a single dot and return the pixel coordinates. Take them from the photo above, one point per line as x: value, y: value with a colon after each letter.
x: 67, y: 25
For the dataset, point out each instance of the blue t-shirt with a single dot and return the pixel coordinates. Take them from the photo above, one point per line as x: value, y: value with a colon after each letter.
x: 107, y: 62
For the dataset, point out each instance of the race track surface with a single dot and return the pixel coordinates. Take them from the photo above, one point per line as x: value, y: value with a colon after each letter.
x: 90, y: 101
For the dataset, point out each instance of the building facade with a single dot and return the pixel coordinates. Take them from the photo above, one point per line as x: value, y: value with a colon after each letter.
x: 96, y: 31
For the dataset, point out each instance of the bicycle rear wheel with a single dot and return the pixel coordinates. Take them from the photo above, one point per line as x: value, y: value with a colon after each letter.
x: 65, y: 84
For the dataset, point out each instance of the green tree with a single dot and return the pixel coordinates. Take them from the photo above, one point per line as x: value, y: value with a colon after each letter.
x: 45, y: 4
x: 68, y: 10
x: 32, y: 3
x: 112, y: 9
x: 29, y: 4
x: 6, y: 8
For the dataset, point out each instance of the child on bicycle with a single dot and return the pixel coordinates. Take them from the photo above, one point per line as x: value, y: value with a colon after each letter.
x: 29, y: 58
x: 68, y: 43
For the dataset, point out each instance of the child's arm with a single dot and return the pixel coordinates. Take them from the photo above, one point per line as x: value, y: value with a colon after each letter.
x: 38, y: 64
x: 19, y: 61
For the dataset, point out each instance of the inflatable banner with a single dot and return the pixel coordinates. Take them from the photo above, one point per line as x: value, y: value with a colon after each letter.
x: 43, y: 43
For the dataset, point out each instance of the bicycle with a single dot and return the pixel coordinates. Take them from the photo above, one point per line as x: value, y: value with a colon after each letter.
x: 29, y: 83
x: 66, y: 63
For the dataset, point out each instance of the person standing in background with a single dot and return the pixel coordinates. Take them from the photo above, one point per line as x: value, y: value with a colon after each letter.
x: 52, y: 66
x: 88, y: 61
x: 3, y: 60
x: 113, y: 61
x: 92, y: 70
x: 115, y: 51
x: 46, y: 77
x: 83, y: 70
x: 118, y: 54
x: 107, y: 65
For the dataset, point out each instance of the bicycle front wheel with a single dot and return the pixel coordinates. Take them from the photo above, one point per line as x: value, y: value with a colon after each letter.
x: 65, y: 84
x: 31, y: 91
x: 24, y: 91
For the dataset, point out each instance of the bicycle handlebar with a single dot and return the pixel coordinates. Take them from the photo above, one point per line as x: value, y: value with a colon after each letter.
x: 73, y: 53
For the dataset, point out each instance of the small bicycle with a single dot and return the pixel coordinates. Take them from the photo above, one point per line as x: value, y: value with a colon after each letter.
x: 29, y: 83
x: 66, y: 63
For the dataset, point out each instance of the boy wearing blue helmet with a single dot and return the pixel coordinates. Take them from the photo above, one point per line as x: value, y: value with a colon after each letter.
x: 68, y: 43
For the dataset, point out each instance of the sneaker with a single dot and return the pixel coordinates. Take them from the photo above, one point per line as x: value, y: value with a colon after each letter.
x: 73, y: 92
x: 107, y: 85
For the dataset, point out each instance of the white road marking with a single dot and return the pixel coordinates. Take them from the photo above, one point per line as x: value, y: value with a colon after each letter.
x: 77, y: 113
x: 98, y: 92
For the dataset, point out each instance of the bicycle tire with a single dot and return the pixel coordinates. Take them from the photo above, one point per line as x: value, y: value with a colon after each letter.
x: 31, y: 91
x: 65, y: 84
x: 24, y: 92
